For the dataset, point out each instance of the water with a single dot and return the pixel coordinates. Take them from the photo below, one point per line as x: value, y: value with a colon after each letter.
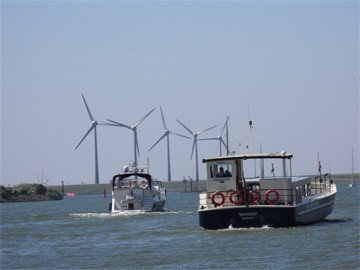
x: 79, y: 233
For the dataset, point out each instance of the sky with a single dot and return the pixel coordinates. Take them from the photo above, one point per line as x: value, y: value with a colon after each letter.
x: 293, y: 66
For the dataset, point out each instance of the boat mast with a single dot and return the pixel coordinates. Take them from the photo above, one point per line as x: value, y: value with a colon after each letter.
x: 250, y: 129
x: 262, y: 173
x: 227, y: 137
x: 251, y: 148
x: 352, y: 165
x: 148, y: 165
x: 319, y: 168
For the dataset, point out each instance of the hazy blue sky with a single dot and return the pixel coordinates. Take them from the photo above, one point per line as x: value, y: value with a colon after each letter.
x: 294, y: 64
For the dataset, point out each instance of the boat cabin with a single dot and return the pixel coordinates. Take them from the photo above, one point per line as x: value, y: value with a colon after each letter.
x: 132, y: 180
x: 234, y: 180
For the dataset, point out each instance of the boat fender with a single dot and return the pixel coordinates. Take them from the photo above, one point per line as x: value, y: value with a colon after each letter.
x: 218, y: 193
x: 238, y: 197
x: 251, y: 198
x: 275, y: 200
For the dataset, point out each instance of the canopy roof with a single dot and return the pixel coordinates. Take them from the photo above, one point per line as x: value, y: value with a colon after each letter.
x: 122, y: 176
x: 125, y: 175
x: 282, y: 155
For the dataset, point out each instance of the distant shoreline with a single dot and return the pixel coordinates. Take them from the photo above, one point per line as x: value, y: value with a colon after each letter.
x: 28, y: 198
x: 28, y: 193
x: 173, y: 186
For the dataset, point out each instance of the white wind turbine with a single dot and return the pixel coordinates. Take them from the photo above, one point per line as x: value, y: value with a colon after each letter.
x: 166, y: 134
x: 134, y: 129
x: 219, y: 137
x: 195, y: 135
x: 94, y: 123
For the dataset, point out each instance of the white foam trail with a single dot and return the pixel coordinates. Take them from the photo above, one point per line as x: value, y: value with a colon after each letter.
x: 125, y: 214
x: 90, y: 215
x: 231, y: 228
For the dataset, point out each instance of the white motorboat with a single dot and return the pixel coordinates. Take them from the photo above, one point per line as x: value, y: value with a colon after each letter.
x: 236, y: 200
x: 135, y: 189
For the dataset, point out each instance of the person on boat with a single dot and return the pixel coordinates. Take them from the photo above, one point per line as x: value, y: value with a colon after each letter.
x: 221, y: 172
x: 227, y: 173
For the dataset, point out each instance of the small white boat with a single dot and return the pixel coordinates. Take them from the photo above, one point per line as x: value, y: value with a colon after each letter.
x: 135, y: 189
x: 233, y: 199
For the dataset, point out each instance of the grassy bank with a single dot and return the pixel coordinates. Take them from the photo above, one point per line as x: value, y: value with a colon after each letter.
x: 93, y: 189
x: 174, y: 185
x: 28, y: 193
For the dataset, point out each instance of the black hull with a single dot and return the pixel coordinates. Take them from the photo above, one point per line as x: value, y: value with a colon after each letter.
x: 246, y: 217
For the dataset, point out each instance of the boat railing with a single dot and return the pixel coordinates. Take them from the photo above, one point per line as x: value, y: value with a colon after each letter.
x: 250, y: 197
x: 321, y: 184
x: 263, y: 197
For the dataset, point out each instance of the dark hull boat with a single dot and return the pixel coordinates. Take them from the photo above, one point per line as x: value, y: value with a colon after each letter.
x: 278, y: 201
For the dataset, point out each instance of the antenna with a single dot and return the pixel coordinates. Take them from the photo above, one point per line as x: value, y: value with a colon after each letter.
x: 352, y: 165
x: 262, y: 173
x: 251, y: 148
x: 250, y: 128
x: 148, y: 165
x: 319, y: 171
x: 227, y: 135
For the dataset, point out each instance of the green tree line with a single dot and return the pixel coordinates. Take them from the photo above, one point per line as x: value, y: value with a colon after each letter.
x: 29, y: 192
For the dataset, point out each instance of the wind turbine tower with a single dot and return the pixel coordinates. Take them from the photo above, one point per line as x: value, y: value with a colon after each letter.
x: 195, y: 135
x: 94, y: 124
x: 134, y: 129
x: 166, y: 134
x: 219, y: 137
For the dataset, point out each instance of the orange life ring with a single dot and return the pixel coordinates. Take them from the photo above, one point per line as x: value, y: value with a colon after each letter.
x: 275, y: 200
x: 258, y: 196
x: 218, y: 193
x: 239, y: 197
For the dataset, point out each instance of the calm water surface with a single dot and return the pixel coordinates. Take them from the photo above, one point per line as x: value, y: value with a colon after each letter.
x: 79, y: 233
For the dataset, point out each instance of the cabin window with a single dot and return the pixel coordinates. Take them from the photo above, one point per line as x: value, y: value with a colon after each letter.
x: 308, y: 189
x: 221, y: 170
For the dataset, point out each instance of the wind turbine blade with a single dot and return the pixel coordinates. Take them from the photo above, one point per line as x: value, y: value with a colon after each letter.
x: 163, y: 119
x: 87, y: 133
x: 222, y: 130
x: 106, y: 124
x: 177, y: 134
x: 222, y: 141
x: 206, y: 130
x: 87, y: 108
x: 118, y: 124
x: 192, y: 133
x: 192, y: 151
x: 208, y: 139
x: 142, y: 119
x: 162, y: 137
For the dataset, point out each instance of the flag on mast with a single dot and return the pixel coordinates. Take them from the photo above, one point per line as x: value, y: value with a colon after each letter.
x: 131, y: 188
